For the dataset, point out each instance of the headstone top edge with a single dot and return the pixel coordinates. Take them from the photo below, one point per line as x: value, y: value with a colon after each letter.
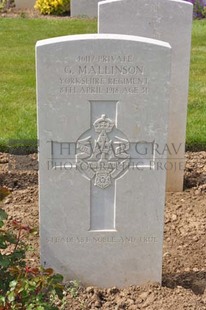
x: 87, y: 37
x: 183, y: 2
x: 105, y: 2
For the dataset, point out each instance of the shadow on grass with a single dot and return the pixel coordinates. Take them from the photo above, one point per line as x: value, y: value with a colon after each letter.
x: 19, y: 147
x: 195, y: 147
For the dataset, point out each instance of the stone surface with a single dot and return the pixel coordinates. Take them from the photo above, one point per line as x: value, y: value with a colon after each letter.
x: 102, y: 108
x: 84, y: 8
x: 25, y: 4
x: 170, y: 21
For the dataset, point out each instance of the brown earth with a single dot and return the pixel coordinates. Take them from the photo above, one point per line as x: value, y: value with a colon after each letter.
x: 184, y: 252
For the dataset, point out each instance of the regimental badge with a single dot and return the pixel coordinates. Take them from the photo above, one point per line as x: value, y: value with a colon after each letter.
x: 102, y: 153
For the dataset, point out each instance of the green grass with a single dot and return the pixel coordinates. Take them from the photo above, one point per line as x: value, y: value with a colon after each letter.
x: 17, y: 75
x: 17, y: 70
x: 196, y: 121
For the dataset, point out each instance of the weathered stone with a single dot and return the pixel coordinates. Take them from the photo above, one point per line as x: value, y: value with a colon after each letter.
x: 102, y: 105
x: 170, y: 21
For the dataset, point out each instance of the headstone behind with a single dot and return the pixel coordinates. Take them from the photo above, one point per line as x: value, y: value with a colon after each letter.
x: 102, y: 106
x: 84, y: 8
x: 25, y: 4
x: 170, y: 21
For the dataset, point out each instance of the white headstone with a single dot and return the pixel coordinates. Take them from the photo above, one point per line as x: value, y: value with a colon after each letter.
x: 24, y: 4
x: 102, y: 107
x: 170, y: 21
x: 84, y: 8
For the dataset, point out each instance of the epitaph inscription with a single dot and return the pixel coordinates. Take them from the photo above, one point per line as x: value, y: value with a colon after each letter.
x: 111, y: 239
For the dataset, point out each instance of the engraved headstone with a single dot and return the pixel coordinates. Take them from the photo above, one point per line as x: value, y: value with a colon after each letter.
x: 84, y: 8
x: 170, y: 21
x: 102, y: 109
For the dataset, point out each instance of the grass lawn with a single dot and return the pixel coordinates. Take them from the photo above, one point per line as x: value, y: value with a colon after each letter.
x: 196, y: 121
x: 17, y: 68
x: 18, y: 37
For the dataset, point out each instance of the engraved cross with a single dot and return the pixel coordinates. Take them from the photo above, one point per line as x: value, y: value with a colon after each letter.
x: 103, y: 155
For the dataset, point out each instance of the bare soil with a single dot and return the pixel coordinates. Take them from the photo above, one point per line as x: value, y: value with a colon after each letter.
x: 184, y: 252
